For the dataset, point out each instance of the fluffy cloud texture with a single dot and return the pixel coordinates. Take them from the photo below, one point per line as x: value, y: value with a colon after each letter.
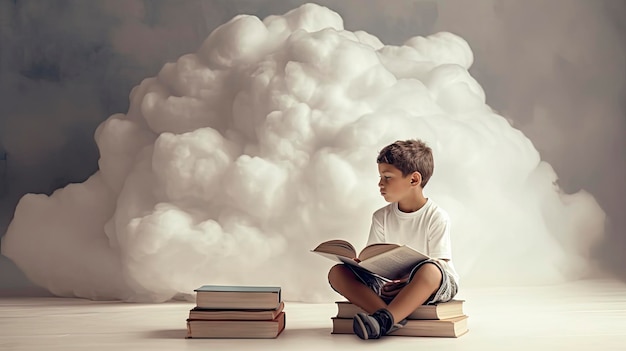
x: 236, y: 160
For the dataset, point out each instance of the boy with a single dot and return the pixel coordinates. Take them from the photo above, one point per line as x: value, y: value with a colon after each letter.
x: 405, y: 168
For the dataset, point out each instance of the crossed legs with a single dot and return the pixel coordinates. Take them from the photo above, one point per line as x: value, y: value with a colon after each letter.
x: 424, y: 283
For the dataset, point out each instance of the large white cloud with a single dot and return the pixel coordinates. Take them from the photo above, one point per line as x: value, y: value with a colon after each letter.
x: 234, y: 161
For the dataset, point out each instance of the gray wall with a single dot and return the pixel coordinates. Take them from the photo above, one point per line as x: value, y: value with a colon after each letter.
x: 556, y: 69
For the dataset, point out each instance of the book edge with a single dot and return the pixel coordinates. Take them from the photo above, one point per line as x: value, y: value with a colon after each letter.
x: 282, y: 325
x: 238, y: 289
x: 252, y: 310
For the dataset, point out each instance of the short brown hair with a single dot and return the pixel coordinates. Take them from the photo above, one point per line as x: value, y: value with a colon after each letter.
x: 409, y: 156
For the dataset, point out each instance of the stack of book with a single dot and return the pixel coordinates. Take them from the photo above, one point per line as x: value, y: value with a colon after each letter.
x: 236, y: 312
x: 441, y: 320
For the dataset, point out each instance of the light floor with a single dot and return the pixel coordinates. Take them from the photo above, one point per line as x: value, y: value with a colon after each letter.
x: 584, y: 315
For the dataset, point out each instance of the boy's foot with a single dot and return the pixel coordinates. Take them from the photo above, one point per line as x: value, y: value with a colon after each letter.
x: 374, y: 325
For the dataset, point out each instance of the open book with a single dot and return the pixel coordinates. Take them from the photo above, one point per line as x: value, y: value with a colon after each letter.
x: 389, y: 261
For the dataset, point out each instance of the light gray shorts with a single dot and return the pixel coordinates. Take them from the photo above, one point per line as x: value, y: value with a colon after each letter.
x: 446, y: 292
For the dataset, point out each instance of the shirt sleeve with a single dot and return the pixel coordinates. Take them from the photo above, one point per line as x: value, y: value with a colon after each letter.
x: 439, y: 245
x: 377, y: 232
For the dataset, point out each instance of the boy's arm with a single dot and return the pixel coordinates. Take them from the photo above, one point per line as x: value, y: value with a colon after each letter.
x: 439, y: 245
x: 377, y: 233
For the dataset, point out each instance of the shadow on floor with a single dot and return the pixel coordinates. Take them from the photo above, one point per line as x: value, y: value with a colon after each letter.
x: 286, y: 334
x: 167, y: 334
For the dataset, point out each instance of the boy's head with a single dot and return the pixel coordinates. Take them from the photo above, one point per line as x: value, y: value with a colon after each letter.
x: 409, y: 156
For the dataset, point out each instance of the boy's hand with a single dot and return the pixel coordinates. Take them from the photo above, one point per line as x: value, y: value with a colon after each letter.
x: 392, y: 288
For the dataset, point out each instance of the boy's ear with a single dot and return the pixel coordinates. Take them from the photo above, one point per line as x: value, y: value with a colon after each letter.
x: 416, y: 178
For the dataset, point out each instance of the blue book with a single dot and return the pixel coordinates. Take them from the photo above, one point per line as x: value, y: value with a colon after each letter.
x: 228, y: 297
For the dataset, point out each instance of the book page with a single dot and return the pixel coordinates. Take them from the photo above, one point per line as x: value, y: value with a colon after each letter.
x: 395, y: 263
x: 375, y: 250
x: 337, y: 258
x: 336, y: 247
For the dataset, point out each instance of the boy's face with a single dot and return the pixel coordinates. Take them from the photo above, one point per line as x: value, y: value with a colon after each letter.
x: 393, y: 186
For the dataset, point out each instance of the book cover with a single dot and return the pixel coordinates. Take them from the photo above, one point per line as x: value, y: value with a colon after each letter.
x: 442, y: 310
x: 267, y: 329
x: 238, y: 289
x: 246, y: 314
x: 446, y: 328
x: 238, y: 297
